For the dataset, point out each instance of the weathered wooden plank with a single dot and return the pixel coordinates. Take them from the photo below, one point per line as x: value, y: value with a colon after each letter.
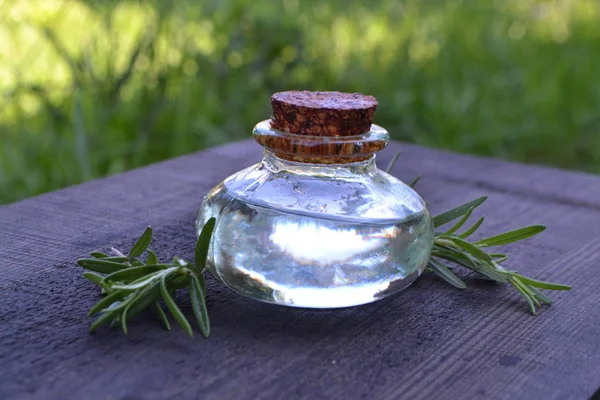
x: 429, y: 341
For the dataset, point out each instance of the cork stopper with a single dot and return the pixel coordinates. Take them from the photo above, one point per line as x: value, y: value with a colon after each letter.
x: 322, y: 128
x: 322, y: 113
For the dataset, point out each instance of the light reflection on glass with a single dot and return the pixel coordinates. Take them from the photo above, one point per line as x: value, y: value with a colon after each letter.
x: 320, y: 244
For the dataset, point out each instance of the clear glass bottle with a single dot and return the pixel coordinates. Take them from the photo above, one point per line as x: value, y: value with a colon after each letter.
x: 316, y: 223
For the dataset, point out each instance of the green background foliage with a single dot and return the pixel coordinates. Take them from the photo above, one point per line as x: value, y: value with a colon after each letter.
x: 93, y: 88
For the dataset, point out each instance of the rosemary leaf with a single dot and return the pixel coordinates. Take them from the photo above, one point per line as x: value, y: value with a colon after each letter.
x: 175, y: 311
x: 498, y: 257
x: 102, y: 320
x: 460, y: 223
x: 141, y: 244
x: 129, y: 274
x: 124, y: 317
x: 540, y: 296
x: 98, y: 254
x: 162, y: 315
x: 458, y: 258
x: 542, y: 284
x: 203, y: 244
x: 106, y: 302
x: 152, y: 258
x: 511, y: 236
x: 524, y: 292
x: 456, y: 212
x: 414, y: 182
x: 202, y: 284
x: 92, y: 277
x: 392, y: 162
x: 472, y: 229
x: 99, y: 265
x: 444, y: 272
x: 472, y: 249
x: 150, y: 295
x: 140, y: 283
x: 120, y: 305
x: 116, y: 259
x: 144, y: 293
x: 197, y: 298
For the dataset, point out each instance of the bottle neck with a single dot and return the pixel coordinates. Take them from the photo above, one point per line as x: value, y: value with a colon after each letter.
x: 277, y: 164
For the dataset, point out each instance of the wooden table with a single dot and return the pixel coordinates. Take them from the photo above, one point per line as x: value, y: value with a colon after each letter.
x: 429, y: 342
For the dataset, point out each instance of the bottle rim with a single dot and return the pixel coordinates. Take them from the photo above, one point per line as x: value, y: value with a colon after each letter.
x: 321, y: 149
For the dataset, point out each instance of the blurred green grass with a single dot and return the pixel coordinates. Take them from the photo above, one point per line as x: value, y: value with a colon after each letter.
x: 95, y: 88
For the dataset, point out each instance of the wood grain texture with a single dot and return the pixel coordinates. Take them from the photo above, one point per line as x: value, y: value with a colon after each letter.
x: 430, y: 341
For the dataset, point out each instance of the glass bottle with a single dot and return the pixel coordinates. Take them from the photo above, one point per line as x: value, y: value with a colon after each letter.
x: 316, y: 223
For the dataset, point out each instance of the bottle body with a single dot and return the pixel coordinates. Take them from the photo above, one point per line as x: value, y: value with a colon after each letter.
x: 318, y: 236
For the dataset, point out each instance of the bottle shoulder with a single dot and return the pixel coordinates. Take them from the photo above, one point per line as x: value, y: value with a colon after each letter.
x: 374, y: 195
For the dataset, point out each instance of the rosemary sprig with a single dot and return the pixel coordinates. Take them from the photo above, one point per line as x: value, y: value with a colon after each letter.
x: 131, y: 285
x: 451, y: 247
x: 448, y: 246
